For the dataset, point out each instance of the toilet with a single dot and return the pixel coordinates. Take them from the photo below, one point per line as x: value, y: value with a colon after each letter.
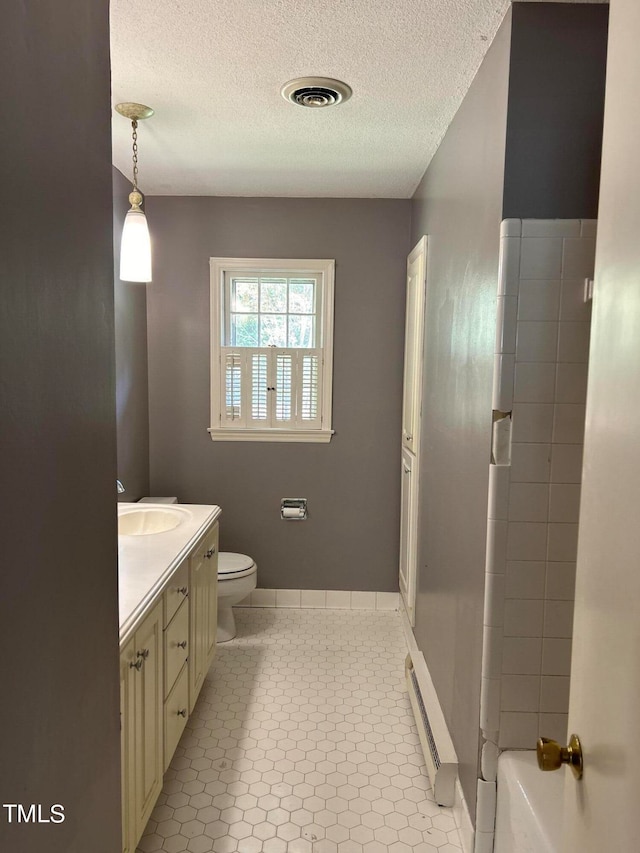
x: 237, y: 577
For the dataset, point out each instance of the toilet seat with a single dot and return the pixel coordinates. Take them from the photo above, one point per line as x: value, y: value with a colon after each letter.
x: 231, y: 566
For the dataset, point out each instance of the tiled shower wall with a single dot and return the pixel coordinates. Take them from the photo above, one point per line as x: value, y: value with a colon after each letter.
x: 540, y: 379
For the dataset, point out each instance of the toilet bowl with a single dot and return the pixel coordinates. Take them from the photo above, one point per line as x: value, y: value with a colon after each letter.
x: 237, y: 577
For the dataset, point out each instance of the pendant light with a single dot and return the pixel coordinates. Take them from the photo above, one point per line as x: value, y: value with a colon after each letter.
x: 135, y: 248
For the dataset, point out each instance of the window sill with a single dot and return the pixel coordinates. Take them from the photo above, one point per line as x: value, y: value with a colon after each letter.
x: 311, y: 436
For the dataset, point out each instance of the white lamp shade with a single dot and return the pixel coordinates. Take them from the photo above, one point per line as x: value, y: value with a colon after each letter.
x: 135, y: 248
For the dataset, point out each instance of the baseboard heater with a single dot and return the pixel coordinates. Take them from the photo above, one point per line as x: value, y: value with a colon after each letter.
x: 439, y: 754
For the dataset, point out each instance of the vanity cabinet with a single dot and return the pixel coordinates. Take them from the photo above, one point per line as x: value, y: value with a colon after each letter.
x: 142, y: 725
x: 162, y: 669
x: 203, y: 600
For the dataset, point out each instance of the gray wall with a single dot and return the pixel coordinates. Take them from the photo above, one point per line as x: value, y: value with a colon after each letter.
x: 556, y: 106
x: 351, y: 538
x: 132, y: 387
x: 59, y: 716
x: 459, y: 205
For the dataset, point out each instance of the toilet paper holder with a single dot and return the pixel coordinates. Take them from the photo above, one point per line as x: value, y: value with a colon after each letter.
x: 293, y: 509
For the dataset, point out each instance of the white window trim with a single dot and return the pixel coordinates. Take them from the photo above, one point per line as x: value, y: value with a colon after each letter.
x: 326, y: 269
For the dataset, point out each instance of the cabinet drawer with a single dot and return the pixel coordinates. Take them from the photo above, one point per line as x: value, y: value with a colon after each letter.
x: 176, y: 646
x: 176, y: 592
x: 175, y: 715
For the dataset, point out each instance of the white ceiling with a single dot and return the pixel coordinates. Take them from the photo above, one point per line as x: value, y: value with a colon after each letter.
x: 213, y: 69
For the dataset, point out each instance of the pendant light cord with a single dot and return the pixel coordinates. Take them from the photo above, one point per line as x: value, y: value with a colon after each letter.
x: 134, y: 133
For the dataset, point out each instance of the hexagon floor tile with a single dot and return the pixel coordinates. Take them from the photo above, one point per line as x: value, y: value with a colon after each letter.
x: 302, y: 741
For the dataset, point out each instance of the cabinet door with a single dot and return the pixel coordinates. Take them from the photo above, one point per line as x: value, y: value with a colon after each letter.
x: 127, y: 718
x: 203, y: 616
x: 413, y: 346
x: 148, y: 739
x: 408, y: 537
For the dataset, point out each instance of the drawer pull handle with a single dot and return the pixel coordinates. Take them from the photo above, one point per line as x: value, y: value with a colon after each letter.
x: 182, y: 645
x: 183, y: 590
x: 136, y: 664
x: 182, y: 712
x: 144, y: 654
x: 209, y: 554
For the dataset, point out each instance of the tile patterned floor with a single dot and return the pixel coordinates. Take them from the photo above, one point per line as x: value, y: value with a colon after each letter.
x: 302, y: 741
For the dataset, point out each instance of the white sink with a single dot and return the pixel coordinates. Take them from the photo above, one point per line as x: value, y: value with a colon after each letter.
x: 148, y: 520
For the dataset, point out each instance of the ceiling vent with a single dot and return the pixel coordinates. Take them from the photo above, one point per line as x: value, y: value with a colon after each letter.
x: 315, y: 92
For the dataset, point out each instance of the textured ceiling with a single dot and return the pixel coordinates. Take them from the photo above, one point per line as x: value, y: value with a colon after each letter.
x: 213, y: 69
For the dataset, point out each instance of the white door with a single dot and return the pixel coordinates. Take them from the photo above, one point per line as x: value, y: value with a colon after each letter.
x: 602, y: 809
x: 413, y: 343
x: 408, y: 538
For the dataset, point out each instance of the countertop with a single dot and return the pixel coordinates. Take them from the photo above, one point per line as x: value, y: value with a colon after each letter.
x: 146, y: 563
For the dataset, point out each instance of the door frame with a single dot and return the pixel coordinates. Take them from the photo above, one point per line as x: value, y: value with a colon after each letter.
x: 411, y: 448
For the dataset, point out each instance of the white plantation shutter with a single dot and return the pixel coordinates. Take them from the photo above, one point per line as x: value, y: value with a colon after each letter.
x: 259, y: 383
x: 232, y: 408
x: 309, y: 389
x: 284, y: 414
x: 271, y: 388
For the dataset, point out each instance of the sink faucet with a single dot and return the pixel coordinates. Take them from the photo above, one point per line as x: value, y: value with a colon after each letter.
x: 119, y: 487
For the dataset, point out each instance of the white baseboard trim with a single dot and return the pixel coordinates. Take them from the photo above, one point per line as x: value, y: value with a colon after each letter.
x: 322, y: 599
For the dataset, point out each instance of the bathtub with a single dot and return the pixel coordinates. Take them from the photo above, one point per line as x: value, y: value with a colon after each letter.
x: 529, y: 806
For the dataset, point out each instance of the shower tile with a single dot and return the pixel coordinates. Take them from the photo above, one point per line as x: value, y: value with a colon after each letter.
x: 554, y: 694
x: 520, y: 693
x: 511, y: 228
x: 564, y: 502
x: 566, y: 463
x: 504, y: 368
x: 525, y: 579
x: 518, y: 730
x: 556, y: 657
x: 534, y: 383
x: 521, y: 656
x: 509, y: 266
x: 302, y: 737
x: 551, y: 227
x: 532, y: 422
x: 561, y: 581
x: 498, y: 492
x: 537, y: 342
x: 496, y: 554
x: 523, y: 617
x: 554, y: 726
x: 541, y: 257
x: 492, y: 647
x: 571, y: 383
x: 506, y: 314
x: 494, y: 599
x: 573, y: 308
x: 563, y: 542
x: 558, y: 619
x: 490, y: 704
x: 573, y: 342
x: 578, y: 257
x: 539, y: 301
x: 528, y: 502
x: 568, y: 423
x: 530, y: 463
x: 589, y: 227
x: 526, y: 541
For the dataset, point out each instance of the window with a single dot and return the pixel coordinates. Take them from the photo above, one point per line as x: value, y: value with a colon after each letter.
x: 271, y: 349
